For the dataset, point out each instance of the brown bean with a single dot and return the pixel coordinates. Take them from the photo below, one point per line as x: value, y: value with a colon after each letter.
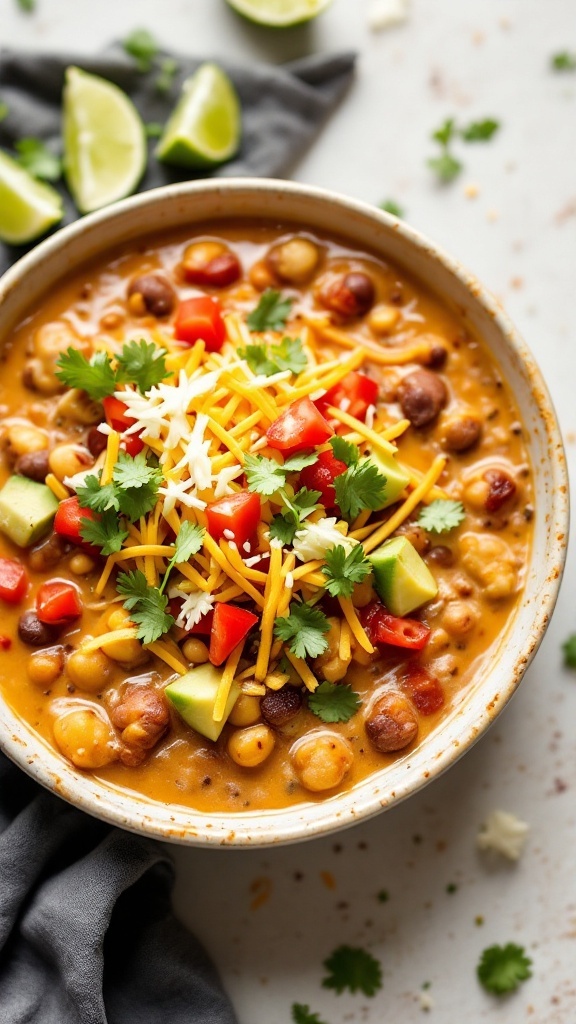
x: 35, y: 633
x: 157, y: 293
x: 143, y: 717
x: 422, y: 394
x: 211, y: 263
x: 350, y: 294
x: 96, y: 442
x: 34, y: 465
x: 391, y: 723
x: 461, y: 432
x: 501, y: 488
x: 441, y: 555
x: 280, y: 706
x: 48, y: 554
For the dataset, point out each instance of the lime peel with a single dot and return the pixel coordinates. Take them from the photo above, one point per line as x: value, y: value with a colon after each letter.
x: 28, y: 207
x: 279, y: 13
x: 205, y: 127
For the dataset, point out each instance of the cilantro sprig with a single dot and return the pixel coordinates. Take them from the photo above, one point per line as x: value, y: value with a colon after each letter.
x: 35, y: 157
x: 564, y: 61
x: 569, y: 649
x: 344, y: 569
x: 146, y: 604
x: 446, y: 166
x: 271, y: 313
x: 344, y: 450
x: 188, y: 541
x: 304, y: 630
x: 143, y: 47
x: 361, y: 486
x: 132, y: 493
x: 353, y: 969
x: 391, y: 206
x: 265, y: 476
x: 301, y: 1014
x: 287, y: 355
x: 107, y: 532
x: 285, y: 525
x: 441, y: 516
x: 334, y: 702
x: 502, y: 968
x: 140, y: 363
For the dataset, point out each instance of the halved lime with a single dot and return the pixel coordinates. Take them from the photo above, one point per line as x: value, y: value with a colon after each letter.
x: 104, y: 141
x: 204, y: 129
x: 279, y: 13
x: 28, y: 207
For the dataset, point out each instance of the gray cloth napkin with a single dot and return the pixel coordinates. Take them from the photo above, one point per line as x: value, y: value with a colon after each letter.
x: 283, y: 108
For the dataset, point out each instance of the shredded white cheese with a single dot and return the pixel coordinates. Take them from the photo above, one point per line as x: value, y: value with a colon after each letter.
x: 194, y: 607
x: 176, y: 491
x: 315, y: 539
x: 196, y: 458
x: 165, y: 406
x: 224, y: 479
x: 504, y: 833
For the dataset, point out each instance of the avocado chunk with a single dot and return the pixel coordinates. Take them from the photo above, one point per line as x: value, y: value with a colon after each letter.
x: 402, y: 579
x: 396, y: 478
x: 27, y: 510
x: 194, y: 696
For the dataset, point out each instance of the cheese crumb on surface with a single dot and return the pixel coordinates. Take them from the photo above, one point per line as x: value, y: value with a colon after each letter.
x: 503, y: 833
x: 386, y: 13
x: 426, y: 1001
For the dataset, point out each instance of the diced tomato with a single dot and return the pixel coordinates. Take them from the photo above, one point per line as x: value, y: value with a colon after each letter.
x: 237, y: 514
x: 68, y: 519
x: 321, y: 476
x: 229, y: 627
x: 13, y: 580
x: 354, y: 394
x: 5, y: 643
x: 58, y: 602
x: 383, y: 628
x: 132, y: 444
x: 424, y: 689
x: 200, y: 319
x: 203, y: 627
x: 117, y: 415
x: 300, y: 426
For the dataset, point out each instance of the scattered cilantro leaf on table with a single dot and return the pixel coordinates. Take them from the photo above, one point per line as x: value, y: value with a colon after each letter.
x: 271, y: 313
x: 143, y: 47
x: 165, y: 79
x: 141, y: 363
x: 446, y: 166
x: 361, y: 486
x: 334, y: 702
x: 107, y: 532
x: 26, y: 5
x: 480, y: 131
x: 35, y: 157
x: 146, y: 604
x: 441, y: 516
x: 353, y: 969
x: 569, y: 648
x: 304, y: 629
x: 301, y: 1014
x: 391, y: 206
x: 343, y: 570
x: 343, y: 450
x: 564, y: 61
x: 502, y: 968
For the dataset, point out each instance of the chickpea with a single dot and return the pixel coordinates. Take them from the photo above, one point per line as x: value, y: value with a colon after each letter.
x: 50, y: 341
x: 294, y: 261
x: 195, y: 651
x: 246, y: 711
x: 89, y: 670
x: 210, y: 262
x: 459, y: 618
x: 383, y: 319
x: 112, y: 321
x: 321, y: 760
x: 490, y: 561
x: 330, y: 665
x: 23, y: 440
x: 47, y: 554
x: 261, y: 277
x: 85, y: 738
x: 76, y: 406
x: 136, y: 305
x: 69, y: 459
x: 129, y: 653
x: 391, y: 723
x: 44, y: 667
x: 81, y: 564
x: 363, y: 593
x: 250, y: 747
x: 418, y: 537
x: 475, y: 495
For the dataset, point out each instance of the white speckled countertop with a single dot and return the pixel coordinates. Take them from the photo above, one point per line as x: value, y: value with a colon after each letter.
x: 270, y: 918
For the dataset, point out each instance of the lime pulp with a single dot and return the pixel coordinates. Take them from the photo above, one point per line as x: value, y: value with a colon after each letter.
x: 28, y: 207
x: 204, y: 129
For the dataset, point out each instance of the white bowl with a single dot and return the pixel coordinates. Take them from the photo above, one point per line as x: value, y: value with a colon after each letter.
x: 164, y: 209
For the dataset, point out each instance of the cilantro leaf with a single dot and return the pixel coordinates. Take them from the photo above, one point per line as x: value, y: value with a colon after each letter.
x: 95, y: 376
x: 105, y: 532
x: 480, y: 131
x: 263, y: 475
x: 153, y: 129
x: 142, y: 46
x: 271, y: 313
x: 564, y: 61
x: 361, y: 486
x: 353, y: 969
x: 27, y: 5
x: 391, y: 206
x: 134, y: 471
x: 343, y: 570
x: 445, y: 133
x: 165, y: 79
x: 569, y: 648
x: 301, y: 1015
x: 304, y: 629
x: 283, y: 527
x: 92, y: 495
x: 189, y: 540
x: 294, y: 463
x: 288, y: 355
x: 441, y: 516
x: 138, y: 501
x: 502, y: 968
x: 445, y: 166
x: 344, y: 450
x: 35, y: 157
x: 147, y: 606
x: 334, y: 702
x: 257, y: 359
x: 141, y: 363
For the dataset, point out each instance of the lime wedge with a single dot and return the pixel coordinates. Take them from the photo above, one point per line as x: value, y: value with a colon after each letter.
x: 104, y: 141
x: 279, y: 13
x: 204, y: 129
x: 28, y: 207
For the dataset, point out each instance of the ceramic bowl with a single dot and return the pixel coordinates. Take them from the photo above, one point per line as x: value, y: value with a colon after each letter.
x: 187, y: 204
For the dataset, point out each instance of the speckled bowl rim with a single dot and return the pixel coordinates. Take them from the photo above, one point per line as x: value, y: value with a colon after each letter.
x: 165, y: 208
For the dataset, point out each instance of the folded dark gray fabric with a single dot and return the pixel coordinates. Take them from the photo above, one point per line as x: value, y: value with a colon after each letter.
x: 283, y: 108
x: 87, y: 935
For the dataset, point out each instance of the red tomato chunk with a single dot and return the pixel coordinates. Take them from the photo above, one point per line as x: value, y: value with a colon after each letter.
x: 321, y: 477
x: 354, y: 394
x: 13, y: 580
x: 68, y: 519
x: 58, y: 602
x: 300, y: 426
x: 237, y: 514
x: 424, y: 689
x: 229, y: 626
x: 200, y: 319
x: 383, y: 628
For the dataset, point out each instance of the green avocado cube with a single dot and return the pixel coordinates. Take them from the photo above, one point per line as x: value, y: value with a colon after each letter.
x: 27, y: 510
x: 401, y: 577
x: 396, y: 478
x: 193, y: 696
